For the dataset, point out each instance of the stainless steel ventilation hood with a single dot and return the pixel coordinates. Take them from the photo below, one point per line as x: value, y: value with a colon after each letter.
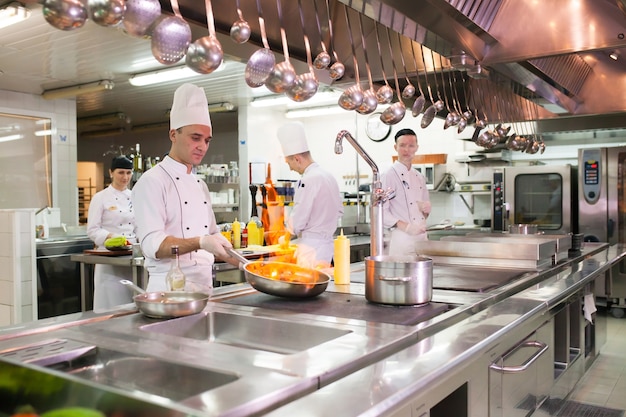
x: 555, y: 53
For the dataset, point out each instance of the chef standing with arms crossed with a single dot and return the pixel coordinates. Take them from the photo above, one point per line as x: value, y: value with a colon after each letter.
x: 173, y: 206
x: 405, y: 214
x: 111, y: 215
x: 317, y: 200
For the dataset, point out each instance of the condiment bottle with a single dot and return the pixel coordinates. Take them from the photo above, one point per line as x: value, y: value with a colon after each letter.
x: 244, y: 237
x: 341, y: 259
x: 253, y: 233
x: 175, y: 277
x: 236, y: 229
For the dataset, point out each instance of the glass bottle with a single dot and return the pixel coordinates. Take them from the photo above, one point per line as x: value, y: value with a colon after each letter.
x: 175, y: 278
x: 137, y: 160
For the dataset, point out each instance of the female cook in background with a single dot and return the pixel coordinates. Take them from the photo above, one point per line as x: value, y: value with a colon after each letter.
x: 407, y: 212
x: 110, y: 215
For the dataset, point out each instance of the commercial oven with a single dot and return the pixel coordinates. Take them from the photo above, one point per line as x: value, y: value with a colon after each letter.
x: 602, y: 207
x: 545, y: 195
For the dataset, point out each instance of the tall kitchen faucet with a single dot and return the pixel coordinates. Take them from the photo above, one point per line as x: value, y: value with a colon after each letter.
x: 378, y: 198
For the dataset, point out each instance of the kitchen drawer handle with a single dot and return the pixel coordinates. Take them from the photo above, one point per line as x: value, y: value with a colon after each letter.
x: 521, y: 368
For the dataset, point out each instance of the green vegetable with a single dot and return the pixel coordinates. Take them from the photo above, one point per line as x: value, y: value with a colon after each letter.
x: 115, y: 242
x: 73, y: 412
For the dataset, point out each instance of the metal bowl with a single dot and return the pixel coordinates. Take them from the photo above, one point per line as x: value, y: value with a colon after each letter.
x: 524, y: 229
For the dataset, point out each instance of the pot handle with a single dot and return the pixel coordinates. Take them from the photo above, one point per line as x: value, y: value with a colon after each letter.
x: 233, y: 253
x: 134, y: 287
x: 397, y: 279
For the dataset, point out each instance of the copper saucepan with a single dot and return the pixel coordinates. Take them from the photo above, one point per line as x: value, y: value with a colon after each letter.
x: 168, y: 304
x: 289, y: 280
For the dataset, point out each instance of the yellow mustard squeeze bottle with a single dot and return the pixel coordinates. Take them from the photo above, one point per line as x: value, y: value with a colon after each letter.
x: 342, y: 259
x: 236, y: 229
x: 253, y: 233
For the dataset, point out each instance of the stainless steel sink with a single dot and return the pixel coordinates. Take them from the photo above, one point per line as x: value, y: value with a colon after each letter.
x: 148, y: 375
x: 126, y: 371
x: 265, y: 334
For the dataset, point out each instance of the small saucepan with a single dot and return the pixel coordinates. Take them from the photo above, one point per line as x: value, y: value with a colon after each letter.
x: 168, y: 304
x: 283, y: 279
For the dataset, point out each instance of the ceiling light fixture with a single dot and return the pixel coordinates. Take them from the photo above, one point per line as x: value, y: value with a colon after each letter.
x: 314, y: 111
x: 222, y: 107
x: 10, y: 138
x: 76, y: 90
x: 12, y: 14
x: 165, y: 75
x: 614, y: 55
x: 104, y: 119
x: 320, y: 99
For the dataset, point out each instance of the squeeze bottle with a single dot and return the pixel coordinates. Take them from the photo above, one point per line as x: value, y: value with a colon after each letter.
x: 342, y: 259
x: 236, y: 229
x: 253, y: 233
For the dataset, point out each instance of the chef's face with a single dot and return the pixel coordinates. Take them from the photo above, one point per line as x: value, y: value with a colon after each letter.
x: 190, y: 144
x: 406, y: 146
x: 293, y: 163
x: 120, y: 178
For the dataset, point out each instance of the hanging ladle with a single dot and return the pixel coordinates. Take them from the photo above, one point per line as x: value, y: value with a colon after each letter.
x: 409, y: 90
x: 337, y: 69
x: 262, y: 61
x: 384, y: 94
x: 282, y: 76
x: 396, y: 112
x: 205, y: 55
x: 431, y: 111
x: 353, y: 96
x: 369, y: 96
x: 240, y: 30
x: 306, y: 84
x: 418, y: 104
x: 323, y: 59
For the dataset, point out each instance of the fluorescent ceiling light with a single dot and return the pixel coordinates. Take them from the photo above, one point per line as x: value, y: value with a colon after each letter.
x: 76, y: 90
x: 165, y: 75
x: 221, y: 107
x: 13, y: 13
x: 314, y: 111
x: 320, y: 99
x: 46, y: 132
x: 11, y: 137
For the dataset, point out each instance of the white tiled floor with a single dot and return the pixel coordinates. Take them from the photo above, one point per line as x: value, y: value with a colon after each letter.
x: 604, y: 384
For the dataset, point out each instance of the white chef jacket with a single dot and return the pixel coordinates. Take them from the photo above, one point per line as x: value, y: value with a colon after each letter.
x: 110, y: 211
x: 170, y: 202
x: 317, y: 208
x: 410, y: 188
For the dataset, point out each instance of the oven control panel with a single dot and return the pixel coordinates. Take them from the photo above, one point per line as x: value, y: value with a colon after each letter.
x: 592, y: 168
x: 498, y: 213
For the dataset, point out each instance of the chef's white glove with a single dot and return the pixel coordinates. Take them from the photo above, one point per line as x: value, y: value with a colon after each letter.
x: 425, y: 207
x: 414, y: 229
x: 216, y: 244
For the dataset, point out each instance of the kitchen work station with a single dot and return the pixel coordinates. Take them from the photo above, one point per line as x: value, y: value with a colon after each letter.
x: 313, y: 207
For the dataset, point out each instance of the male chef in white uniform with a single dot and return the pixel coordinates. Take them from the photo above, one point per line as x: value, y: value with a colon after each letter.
x: 317, y: 200
x: 173, y: 206
x: 407, y: 212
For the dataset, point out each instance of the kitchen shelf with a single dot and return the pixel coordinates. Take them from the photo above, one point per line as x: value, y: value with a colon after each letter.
x: 86, y: 191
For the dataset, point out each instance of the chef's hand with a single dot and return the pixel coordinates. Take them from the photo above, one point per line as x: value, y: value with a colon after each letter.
x: 414, y: 229
x: 425, y: 207
x: 216, y: 244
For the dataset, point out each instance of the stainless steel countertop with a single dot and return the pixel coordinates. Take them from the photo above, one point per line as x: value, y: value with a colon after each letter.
x: 346, y: 368
x: 401, y: 377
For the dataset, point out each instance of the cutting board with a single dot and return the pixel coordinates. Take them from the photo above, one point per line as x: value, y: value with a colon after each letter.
x: 106, y: 252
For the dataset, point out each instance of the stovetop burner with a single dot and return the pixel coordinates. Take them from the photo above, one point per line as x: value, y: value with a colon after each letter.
x: 348, y: 306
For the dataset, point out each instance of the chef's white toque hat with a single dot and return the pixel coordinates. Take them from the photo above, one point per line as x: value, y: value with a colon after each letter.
x: 190, y: 107
x: 292, y: 138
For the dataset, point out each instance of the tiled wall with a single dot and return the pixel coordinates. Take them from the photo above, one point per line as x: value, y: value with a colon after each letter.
x: 63, y: 116
x: 18, y: 280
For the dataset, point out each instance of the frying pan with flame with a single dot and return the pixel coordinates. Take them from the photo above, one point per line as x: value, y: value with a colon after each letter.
x: 283, y: 279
